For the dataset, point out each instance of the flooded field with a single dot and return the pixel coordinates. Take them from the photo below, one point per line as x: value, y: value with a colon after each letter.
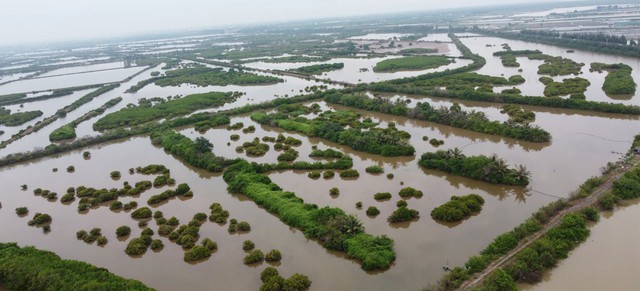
x: 612, y: 246
x: 66, y: 81
x: 582, y: 143
x: 533, y: 87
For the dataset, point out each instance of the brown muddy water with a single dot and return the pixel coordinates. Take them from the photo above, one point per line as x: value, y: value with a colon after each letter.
x: 582, y: 142
x: 422, y: 246
x: 608, y: 260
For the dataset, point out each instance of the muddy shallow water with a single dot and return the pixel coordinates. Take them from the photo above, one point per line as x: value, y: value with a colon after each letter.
x: 582, y: 142
x: 611, y: 247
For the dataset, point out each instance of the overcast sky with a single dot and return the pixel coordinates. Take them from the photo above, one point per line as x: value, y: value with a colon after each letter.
x: 34, y: 21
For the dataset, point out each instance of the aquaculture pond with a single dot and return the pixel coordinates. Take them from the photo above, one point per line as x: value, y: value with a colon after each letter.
x: 581, y: 143
x: 532, y: 86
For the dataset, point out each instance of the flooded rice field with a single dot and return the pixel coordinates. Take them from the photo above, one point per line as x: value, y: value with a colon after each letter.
x: 533, y: 87
x: 67, y: 81
x: 582, y: 143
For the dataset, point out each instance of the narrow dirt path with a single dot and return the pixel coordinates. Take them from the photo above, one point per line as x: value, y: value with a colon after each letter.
x: 576, y: 205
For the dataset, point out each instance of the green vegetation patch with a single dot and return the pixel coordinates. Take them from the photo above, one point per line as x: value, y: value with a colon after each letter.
x: 566, y: 87
x: 452, y: 116
x: 142, y: 114
x: 204, y: 76
x: 413, y: 63
x: 32, y: 269
x: 318, y: 69
x: 298, y: 59
x: 490, y: 169
x: 14, y: 119
x: 618, y: 81
x: 418, y: 51
x: 458, y: 208
x: 361, y: 135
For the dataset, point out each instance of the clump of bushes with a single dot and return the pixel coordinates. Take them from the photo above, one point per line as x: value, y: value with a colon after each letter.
x: 248, y: 245
x: 328, y: 174
x: 39, y: 219
x: 458, y: 208
x: 373, y: 211
x: 138, y: 246
x: 115, y: 175
x: 234, y: 137
x: 328, y: 153
x: 156, y: 245
x: 289, y: 155
x: 349, y: 174
x: 202, y: 252
x: 94, y: 234
x: 244, y: 226
x: 436, y: 142
x: 273, y: 256
x: 402, y: 203
x: 314, y: 175
x: 71, y: 169
x: 390, y: 176
x: 403, y: 214
x: 218, y: 214
x: 409, y: 192
x: 21, y: 211
x: 334, y: 191
x: 255, y: 256
x: 374, y: 170
x: 123, y: 231
x: 382, y: 196
x: 271, y: 280
x: 142, y: 213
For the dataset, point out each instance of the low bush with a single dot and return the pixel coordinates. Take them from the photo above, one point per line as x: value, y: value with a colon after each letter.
x: 248, y: 245
x: 373, y: 211
x: 273, y: 256
x: 403, y: 214
x: 255, y: 256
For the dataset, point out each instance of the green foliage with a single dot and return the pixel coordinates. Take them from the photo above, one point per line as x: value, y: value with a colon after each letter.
x: 63, y: 133
x: 131, y: 116
x: 402, y: 214
x: 618, y: 81
x: 373, y: 211
x: 318, y: 69
x: 566, y: 87
x: 273, y: 256
x: 499, y: 280
x: 15, y: 119
x: 142, y: 213
x: 138, y: 246
x: 204, y: 76
x: 289, y: 155
x: 183, y: 147
x: 298, y: 59
x: 591, y: 213
x: 330, y: 226
x: 248, y: 245
x: 402, y: 203
x: 244, y: 226
x: 607, y: 201
x: 413, y: 63
x: 452, y: 116
x: 328, y: 174
x: 382, y: 196
x: 328, y: 153
x: 409, y: 192
x: 40, y: 219
x: 218, y: 214
x: 314, y: 175
x: 22, y: 211
x: 458, y: 208
x: 253, y: 257
x: 31, y: 269
x: 123, y: 231
x: 374, y: 169
x: 351, y: 173
x: 490, y: 169
x: 331, y: 126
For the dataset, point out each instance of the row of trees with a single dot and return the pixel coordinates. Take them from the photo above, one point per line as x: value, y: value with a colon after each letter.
x: 453, y: 116
x: 32, y: 269
x: 490, y: 169
x: 382, y: 141
x: 332, y: 227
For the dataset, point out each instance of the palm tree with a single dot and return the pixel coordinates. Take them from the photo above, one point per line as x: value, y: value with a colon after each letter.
x: 521, y: 173
x: 457, y: 153
x: 352, y: 225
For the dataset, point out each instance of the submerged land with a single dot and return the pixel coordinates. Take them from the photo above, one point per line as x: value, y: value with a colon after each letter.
x: 469, y: 150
